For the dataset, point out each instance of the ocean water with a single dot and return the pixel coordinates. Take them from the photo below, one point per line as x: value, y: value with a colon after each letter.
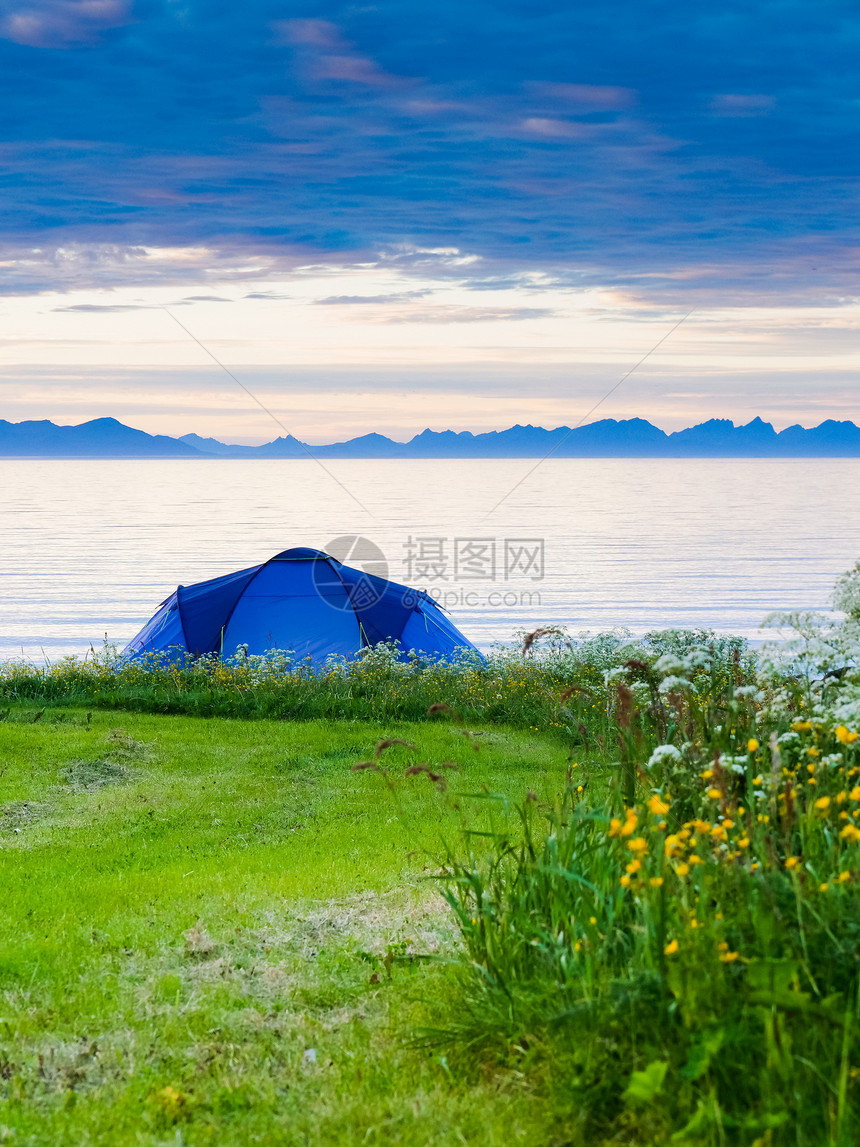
x: 89, y: 548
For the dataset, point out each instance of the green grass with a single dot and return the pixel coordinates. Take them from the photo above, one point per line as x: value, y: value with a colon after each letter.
x: 209, y: 928
x: 608, y: 894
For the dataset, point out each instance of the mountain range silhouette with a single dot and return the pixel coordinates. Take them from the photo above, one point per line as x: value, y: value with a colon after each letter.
x: 608, y: 438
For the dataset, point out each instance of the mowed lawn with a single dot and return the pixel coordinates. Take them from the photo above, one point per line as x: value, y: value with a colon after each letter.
x: 210, y: 931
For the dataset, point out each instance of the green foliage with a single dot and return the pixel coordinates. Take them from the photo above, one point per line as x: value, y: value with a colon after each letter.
x: 677, y: 957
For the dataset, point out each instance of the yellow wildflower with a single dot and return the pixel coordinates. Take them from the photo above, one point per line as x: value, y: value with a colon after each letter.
x: 843, y: 735
x: 844, y: 877
x: 625, y: 881
x: 707, y: 774
x: 722, y: 946
x: 658, y: 806
x: 694, y: 859
x: 823, y: 887
x: 673, y: 843
x: 629, y: 826
x: 656, y: 881
x: 634, y: 866
x: 701, y: 826
x: 714, y: 794
x: 855, y: 793
x: 823, y: 803
x: 802, y: 726
x: 614, y: 826
x: 752, y: 745
x: 638, y: 844
x: 850, y: 832
x: 729, y: 957
x: 671, y: 948
x: 744, y: 842
x: 792, y: 862
x: 592, y: 919
x: 682, y: 869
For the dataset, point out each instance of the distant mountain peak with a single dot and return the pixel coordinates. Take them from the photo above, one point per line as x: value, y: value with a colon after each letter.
x: 605, y: 438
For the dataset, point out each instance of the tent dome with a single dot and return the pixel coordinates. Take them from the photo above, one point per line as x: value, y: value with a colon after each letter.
x: 301, y: 600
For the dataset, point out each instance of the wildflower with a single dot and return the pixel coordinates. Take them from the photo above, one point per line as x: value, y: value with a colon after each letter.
x: 752, y: 745
x: 707, y: 774
x: 851, y: 833
x: 694, y: 859
x: 701, y: 826
x: 625, y: 881
x: 638, y: 844
x: 664, y: 753
x: 844, y: 735
x: 844, y: 877
x: 656, y: 881
x: 671, y: 948
x: 629, y: 826
x: 823, y: 887
x: 823, y: 803
x: 673, y: 844
x: 744, y: 842
x: 614, y: 826
x: 854, y: 795
x: 801, y: 726
x: 792, y: 862
x: 634, y: 866
x: 722, y: 946
x: 658, y: 806
x: 714, y: 794
x: 592, y: 919
x: 682, y: 869
x: 729, y: 957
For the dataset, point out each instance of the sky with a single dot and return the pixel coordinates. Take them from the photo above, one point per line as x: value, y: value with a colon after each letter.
x: 392, y: 216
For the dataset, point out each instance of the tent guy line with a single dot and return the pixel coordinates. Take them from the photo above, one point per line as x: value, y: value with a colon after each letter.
x: 587, y: 415
x: 270, y: 413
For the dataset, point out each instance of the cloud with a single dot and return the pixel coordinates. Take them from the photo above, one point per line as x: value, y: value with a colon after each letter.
x: 457, y: 314
x: 568, y: 140
x: 99, y: 308
x: 350, y: 300
x: 587, y: 97
x: 205, y: 299
x: 742, y: 106
x: 62, y: 23
x: 330, y: 56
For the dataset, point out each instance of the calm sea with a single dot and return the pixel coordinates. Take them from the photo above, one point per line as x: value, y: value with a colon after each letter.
x: 90, y: 548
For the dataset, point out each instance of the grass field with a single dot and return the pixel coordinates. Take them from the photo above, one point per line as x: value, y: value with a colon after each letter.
x: 605, y: 895
x: 207, y: 929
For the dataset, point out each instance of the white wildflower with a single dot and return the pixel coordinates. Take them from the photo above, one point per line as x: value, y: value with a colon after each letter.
x: 664, y: 753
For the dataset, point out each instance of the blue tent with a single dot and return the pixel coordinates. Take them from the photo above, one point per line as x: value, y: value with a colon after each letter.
x: 301, y: 600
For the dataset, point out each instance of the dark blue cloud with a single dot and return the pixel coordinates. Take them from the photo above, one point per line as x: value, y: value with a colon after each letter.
x: 636, y: 139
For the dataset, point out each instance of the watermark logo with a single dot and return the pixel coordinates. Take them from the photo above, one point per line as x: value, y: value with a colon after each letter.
x: 460, y: 559
x: 361, y: 554
x: 449, y: 570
